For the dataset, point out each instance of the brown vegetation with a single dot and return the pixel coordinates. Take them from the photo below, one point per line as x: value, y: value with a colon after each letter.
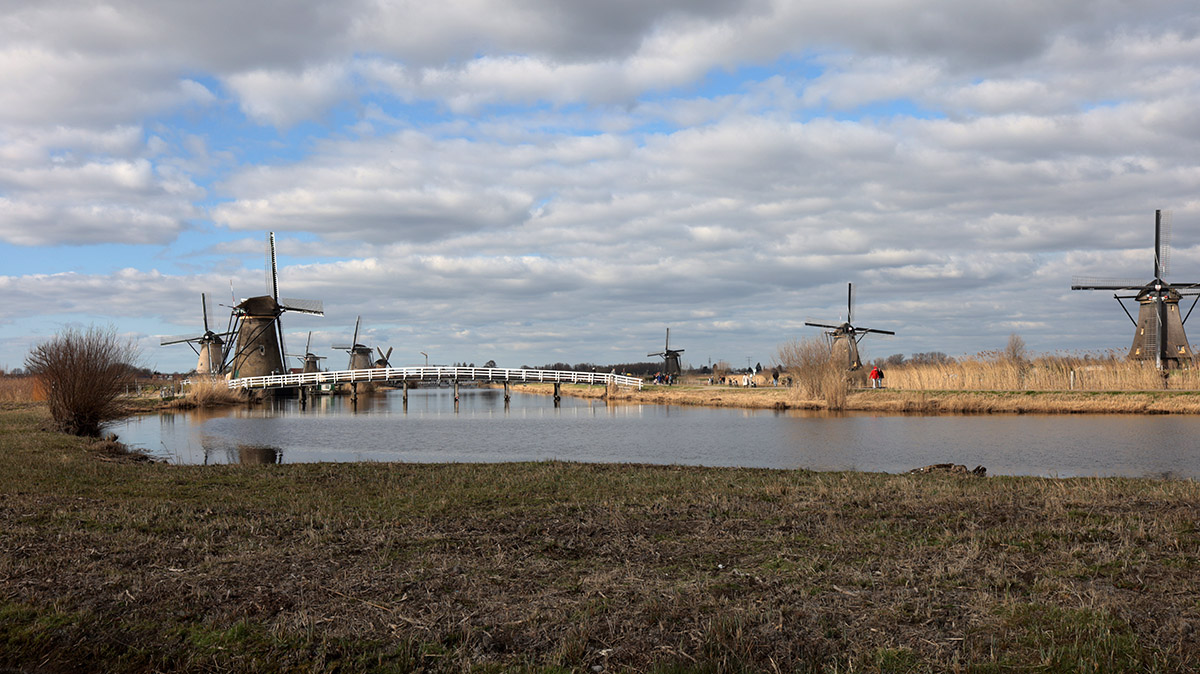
x: 898, y: 401
x: 208, y: 392
x: 82, y: 373
x: 19, y: 390
x: 1000, y: 372
x: 814, y: 372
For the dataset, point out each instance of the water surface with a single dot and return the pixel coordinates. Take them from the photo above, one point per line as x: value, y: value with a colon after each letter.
x: 531, y: 428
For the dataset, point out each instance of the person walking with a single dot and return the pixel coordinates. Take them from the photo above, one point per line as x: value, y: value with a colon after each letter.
x: 876, y: 375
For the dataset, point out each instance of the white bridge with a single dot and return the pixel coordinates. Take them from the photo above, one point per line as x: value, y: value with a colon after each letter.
x: 400, y: 375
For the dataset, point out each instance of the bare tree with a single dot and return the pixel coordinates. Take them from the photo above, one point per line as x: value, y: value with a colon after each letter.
x: 1015, y: 350
x: 812, y: 366
x: 83, y: 372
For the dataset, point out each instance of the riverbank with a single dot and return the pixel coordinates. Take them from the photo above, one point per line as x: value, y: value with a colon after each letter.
x: 895, y: 401
x: 112, y: 566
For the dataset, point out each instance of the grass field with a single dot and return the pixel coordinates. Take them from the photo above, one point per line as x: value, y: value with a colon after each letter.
x: 113, y: 565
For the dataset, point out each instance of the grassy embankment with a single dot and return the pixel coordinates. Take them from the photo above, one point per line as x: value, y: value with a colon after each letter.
x: 891, y: 400
x: 983, y: 384
x: 113, y: 566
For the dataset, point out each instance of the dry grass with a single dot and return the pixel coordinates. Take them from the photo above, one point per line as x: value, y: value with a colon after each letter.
x: 554, y: 567
x: 208, y: 392
x: 19, y: 390
x: 899, y: 401
x: 993, y: 372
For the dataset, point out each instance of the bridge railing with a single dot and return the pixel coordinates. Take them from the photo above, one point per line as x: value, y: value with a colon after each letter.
x: 433, y: 373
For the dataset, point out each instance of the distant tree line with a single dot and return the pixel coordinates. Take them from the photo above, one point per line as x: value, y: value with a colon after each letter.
x: 928, y: 358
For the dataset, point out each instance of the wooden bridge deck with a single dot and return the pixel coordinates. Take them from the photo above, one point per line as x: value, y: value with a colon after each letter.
x: 429, y: 373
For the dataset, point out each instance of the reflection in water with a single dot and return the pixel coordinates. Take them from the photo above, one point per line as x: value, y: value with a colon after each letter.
x: 258, y: 454
x: 531, y: 428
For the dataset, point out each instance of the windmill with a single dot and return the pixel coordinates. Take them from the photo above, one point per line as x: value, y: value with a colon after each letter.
x: 360, y: 355
x: 209, y: 346
x: 384, y: 359
x: 1158, y: 333
x: 670, y: 357
x: 260, y: 347
x: 845, y: 337
x: 310, y: 359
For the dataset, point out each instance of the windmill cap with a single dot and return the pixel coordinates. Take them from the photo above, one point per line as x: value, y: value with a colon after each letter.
x: 263, y: 305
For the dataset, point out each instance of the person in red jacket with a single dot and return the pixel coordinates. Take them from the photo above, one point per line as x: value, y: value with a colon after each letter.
x: 876, y: 375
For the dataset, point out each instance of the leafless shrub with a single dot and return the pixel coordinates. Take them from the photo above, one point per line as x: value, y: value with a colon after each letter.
x: 83, y: 372
x: 813, y: 369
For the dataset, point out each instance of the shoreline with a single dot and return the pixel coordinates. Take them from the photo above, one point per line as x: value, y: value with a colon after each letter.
x: 897, y: 401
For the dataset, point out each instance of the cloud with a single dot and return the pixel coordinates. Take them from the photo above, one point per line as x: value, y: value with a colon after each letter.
x: 281, y: 98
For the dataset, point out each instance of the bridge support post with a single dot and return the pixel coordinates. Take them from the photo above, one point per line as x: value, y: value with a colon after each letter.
x: 507, y: 393
x: 557, y: 393
x: 406, y: 393
x: 354, y: 392
x: 455, y: 395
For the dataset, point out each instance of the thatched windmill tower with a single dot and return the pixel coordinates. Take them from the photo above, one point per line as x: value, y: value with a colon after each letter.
x: 844, y: 338
x: 209, y: 346
x: 361, y: 357
x: 259, y: 350
x: 1158, y: 333
x: 670, y: 357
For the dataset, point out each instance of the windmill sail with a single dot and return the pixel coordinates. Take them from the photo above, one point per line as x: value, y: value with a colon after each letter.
x: 1159, y: 333
x: 844, y: 338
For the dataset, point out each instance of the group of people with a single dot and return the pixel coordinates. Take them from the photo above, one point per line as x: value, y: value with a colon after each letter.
x: 876, y: 377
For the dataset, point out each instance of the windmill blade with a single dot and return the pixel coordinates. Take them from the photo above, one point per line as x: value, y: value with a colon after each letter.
x: 313, y: 307
x: 356, y: 322
x: 204, y: 310
x: 179, y: 339
x: 660, y: 353
x: 878, y: 332
x: 1162, y: 248
x: 342, y: 347
x: 272, y: 273
x: 850, y: 303
x: 1092, y: 283
x: 822, y: 325
x: 667, y: 344
x: 308, y: 344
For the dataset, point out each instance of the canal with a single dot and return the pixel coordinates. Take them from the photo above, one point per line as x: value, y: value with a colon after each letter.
x: 530, y: 428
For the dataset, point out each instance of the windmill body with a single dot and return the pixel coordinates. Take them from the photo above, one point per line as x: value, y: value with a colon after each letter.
x: 260, y: 351
x: 670, y: 357
x: 844, y: 337
x: 209, y: 346
x: 362, y: 357
x: 311, y: 362
x: 1158, y: 331
x: 211, y: 355
x: 1160, y: 308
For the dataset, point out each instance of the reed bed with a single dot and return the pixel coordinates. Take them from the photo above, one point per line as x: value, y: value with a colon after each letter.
x: 20, y: 390
x: 208, y: 392
x: 992, y: 372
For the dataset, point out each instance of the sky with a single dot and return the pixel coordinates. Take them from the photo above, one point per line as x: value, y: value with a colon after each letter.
x: 532, y: 182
